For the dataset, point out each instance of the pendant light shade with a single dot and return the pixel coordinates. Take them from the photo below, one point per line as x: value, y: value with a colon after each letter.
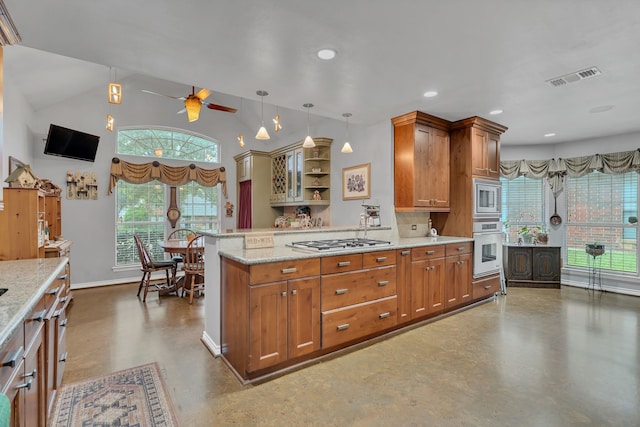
x: 346, y: 148
x: 262, y: 132
x: 114, y: 95
x: 276, y: 122
x: 240, y: 140
x: 308, y: 141
x: 110, y: 122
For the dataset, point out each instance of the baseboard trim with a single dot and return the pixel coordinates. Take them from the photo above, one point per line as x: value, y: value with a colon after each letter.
x: 214, y: 348
x: 605, y: 288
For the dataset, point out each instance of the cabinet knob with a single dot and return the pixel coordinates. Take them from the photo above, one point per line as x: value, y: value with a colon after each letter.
x: 283, y: 293
x: 294, y: 292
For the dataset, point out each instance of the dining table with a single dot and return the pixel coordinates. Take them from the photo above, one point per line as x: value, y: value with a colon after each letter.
x: 180, y: 247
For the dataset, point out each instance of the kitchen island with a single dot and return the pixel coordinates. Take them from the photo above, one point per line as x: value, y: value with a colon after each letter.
x: 284, y: 307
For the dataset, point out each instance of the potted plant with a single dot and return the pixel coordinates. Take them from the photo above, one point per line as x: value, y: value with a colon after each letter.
x: 594, y: 249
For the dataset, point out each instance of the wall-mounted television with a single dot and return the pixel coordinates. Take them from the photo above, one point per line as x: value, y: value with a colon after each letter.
x: 71, y: 143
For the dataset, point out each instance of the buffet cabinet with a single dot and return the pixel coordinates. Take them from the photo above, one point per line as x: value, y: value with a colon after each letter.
x: 532, y: 266
x: 22, y: 224
x: 279, y: 314
x: 33, y: 358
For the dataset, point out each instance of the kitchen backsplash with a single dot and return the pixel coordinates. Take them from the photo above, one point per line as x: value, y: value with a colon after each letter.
x: 405, y: 221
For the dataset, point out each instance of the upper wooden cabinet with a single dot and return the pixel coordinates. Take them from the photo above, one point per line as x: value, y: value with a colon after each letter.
x: 421, y: 163
x: 253, y: 170
x: 22, y: 224
x: 479, y: 140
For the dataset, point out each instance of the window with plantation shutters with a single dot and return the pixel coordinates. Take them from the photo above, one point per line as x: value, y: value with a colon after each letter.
x: 603, y: 209
x: 522, y: 205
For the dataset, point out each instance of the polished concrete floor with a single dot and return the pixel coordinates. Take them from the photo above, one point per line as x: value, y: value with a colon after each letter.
x: 536, y: 357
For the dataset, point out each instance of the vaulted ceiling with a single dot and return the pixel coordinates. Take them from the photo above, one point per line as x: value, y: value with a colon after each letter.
x: 478, y: 55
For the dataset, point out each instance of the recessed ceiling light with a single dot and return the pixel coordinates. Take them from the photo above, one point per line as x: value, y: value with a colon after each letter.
x: 430, y: 94
x: 495, y: 112
x: 549, y: 135
x: 601, y: 109
x: 327, y: 54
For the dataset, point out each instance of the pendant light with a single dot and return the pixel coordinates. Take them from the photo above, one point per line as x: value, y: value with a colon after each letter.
x: 114, y: 95
x: 262, y: 132
x: 308, y: 141
x: 346, y: 148
x: 110, y: 122
x: 276, y: 121
x: 240, y: 140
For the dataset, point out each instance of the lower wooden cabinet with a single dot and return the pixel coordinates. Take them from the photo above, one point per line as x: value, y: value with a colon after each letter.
x: 427, y: 287
x: 486, y: 286
x: 459, y: 272
x: 532, y: 266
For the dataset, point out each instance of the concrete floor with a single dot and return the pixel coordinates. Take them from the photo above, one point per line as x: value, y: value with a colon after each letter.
x: 536, y: 357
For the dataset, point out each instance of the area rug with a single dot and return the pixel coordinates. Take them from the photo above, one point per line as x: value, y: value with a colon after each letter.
x: 131, y: 397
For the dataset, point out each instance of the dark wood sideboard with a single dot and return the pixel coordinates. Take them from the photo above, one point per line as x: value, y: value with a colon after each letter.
x: 534, y: 266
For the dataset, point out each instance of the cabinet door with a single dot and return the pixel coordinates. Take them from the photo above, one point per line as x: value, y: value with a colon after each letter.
x: 431, y: 163
x: 304, y: 316
x: 299, y: 164
x: 519, y: 265
x: 267, y: 325
x: 403, y: 284
x: 427, y: 287
x: 478, y: 150
x: 459, y: 289
x: 34, y: 370
x: 14, y: 389
x: 493, y: 155
x: 546, y: 264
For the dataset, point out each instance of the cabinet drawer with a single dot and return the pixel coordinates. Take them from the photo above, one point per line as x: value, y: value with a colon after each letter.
x: 11, y: 355
x: 347, y: 324
x: 341, y: 290
x: 427, y: 252
x: 341, y: 263
x: 34, y: 321
x: 486, y: 287
x: 458, y: 248
x: 283, y: 270
x: 378, y: 259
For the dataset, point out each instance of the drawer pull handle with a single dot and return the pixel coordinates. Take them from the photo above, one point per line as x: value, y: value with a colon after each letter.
x: 341, y: 291
x: 381, y: 259
x: 461, y: 248
x: 53, y: 291
x: 383, y: 283
x: 63, y: 323
x: 384, y: 315
x: 289, y: 270
x: 431, y: 252
x: 31, y: 374
x: 39, y: 316
x: 26, y: 385
x: 294, y: 292
x: 344, y: 263
x: 403, y: 253
x: 343, y: 327
x: 57, y: 313
x: 13, y: 358
x: 63, y: 300
x: 488, y: 287
x: 63, y: 358
x: 63, y: 277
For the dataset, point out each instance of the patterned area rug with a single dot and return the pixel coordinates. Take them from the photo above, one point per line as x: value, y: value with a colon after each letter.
x: 132, y: 397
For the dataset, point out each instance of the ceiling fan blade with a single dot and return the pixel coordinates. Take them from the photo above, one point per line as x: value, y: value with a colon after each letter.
x: 202, y: 94
x: 184, y: 110
x: 220, y: 108
x: 160, y: 94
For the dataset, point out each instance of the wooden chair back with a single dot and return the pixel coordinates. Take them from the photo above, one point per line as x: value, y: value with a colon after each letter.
x: 194, y: 259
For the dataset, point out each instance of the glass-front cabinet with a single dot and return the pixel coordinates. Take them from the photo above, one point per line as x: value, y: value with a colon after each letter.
x: 301, y: 175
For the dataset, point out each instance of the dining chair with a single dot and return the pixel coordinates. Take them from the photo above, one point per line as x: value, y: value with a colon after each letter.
x: 179, y: 234
x: 149, y: 265
x: 194, y: 267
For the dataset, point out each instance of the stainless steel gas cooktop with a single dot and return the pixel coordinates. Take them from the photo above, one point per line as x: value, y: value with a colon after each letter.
x: 336, y: 244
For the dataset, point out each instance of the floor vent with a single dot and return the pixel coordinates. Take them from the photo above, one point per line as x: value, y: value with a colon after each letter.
x: 574, y: 77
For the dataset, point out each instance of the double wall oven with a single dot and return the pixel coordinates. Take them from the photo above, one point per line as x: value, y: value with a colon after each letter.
x: 487, y: 228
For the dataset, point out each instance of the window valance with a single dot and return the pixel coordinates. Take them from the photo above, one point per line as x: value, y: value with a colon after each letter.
x: 555, y: 170
x: 172, y: 175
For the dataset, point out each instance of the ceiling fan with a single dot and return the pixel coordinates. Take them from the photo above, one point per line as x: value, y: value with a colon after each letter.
x: 194, y: 101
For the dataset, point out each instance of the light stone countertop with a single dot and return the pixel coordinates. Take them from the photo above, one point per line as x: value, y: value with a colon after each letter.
x: 238, y: 232
x: 285, y: 253
x: 27, y: 280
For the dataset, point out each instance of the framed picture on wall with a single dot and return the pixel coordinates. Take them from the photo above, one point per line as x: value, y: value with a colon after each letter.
x: 356, y: 182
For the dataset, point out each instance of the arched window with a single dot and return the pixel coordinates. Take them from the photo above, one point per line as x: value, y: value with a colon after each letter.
x: 167, y: 143
x: 141, y: 208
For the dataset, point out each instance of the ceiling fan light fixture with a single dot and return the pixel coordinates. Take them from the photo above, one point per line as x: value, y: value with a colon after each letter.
x: 308, y: 141
x: 241, y: 140
x: 192, y: 105
x: 262, y: 132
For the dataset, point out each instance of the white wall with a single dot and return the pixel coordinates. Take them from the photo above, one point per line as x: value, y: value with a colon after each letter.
x: 16, y: 132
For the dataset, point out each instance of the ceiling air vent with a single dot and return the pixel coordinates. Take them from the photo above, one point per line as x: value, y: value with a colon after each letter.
x: 574, y: 77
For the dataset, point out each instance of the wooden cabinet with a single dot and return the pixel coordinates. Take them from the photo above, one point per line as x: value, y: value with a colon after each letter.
x: 427, y: 281
x: 22, y: 224
x: 297, y: 173
x: 421, y: 163
x: 403, y: 284
x: 532, y: 266
x: 358, y: 296
x: 459, y: 272
x: 484, y: 287
x: 485, y: 157
x: 253, y: 172
x: 53, y: 215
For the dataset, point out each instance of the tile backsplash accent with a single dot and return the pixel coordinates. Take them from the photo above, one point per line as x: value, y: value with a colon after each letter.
x: 405, y: 220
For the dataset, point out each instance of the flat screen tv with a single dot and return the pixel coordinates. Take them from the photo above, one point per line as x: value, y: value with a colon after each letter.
x: 71, y: 143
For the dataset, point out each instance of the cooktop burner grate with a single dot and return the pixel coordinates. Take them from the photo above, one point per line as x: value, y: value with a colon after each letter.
x: 333, y: 244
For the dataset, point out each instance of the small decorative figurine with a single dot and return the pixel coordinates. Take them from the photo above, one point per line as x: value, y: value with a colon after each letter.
x: 316, y: 195
x: 316, y: 182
